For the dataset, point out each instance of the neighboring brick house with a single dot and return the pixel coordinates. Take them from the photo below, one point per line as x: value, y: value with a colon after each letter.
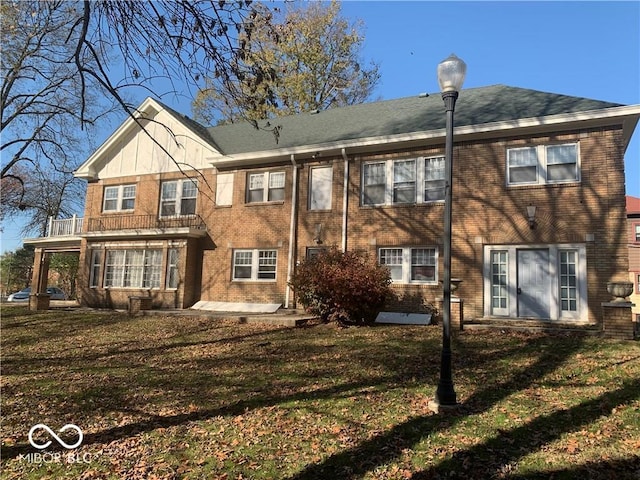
x: 633, y: 216
x: 539, y: 223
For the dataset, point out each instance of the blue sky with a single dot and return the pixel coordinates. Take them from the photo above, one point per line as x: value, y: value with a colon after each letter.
x: 584, y: 49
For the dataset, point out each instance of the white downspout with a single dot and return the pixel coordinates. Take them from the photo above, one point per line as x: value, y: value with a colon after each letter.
x: 345, y: 200
x: 292, y: 229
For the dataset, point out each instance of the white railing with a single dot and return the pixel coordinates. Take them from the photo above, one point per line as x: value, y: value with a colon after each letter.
x: 64, y: 227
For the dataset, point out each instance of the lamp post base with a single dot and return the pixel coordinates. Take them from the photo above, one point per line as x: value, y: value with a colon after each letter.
x: 437, y: 408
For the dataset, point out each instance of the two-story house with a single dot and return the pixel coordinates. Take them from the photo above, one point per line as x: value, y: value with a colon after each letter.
x: 184, y: 213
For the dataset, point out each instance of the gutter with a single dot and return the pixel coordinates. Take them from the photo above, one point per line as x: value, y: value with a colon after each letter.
x: 345, y: 199
x: 292, y: 229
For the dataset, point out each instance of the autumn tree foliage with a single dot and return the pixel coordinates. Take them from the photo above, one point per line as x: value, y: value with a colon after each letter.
x: 344, y: 287
x: 315, y: 58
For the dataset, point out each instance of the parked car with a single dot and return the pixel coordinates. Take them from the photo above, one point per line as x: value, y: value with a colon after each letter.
x: 23, y: 295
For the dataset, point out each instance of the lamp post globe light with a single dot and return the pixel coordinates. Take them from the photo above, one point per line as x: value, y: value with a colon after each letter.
x: 451, y: 73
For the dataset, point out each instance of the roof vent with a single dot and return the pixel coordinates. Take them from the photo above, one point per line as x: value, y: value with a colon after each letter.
x: 313, y: 112
x: 423, y: 95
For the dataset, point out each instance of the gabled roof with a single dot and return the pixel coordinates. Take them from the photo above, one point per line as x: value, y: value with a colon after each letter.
x: 146, y: 110
x: 475, y: 106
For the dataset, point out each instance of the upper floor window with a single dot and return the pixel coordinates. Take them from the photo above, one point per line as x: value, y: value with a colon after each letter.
x: 265, y: 187
x: 543, y: 164
x: 637, y: 232
x: 403, y: 181
x: 410, y: 265
x: 178, y: 197
x: 119, y: 197
x: 320, y: 183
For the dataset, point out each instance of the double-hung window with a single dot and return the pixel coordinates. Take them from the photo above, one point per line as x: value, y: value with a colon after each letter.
x: 410, y: 264
x: 543, y: 164
x: 265, y: 187
x: 254, y: 265
x: 403, y: 181
x: 119, y: 198
x: 178, y: 197
x: 134, y: 268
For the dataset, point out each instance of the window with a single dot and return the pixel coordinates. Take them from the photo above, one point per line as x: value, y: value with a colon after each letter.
x: 172, y: 269
x: 499, y: 282
x: 638, y: 283
x: 396, y: 182
x: 265, y: 187
x: 178, y: 197
x: 543, y: 164
x: 224, y: 189
x: 119, y: 198
x: 410, y: 265
x: 320, y: 183
x: 254, y: 265
x: 568, y: 281
x: 96, y: 264
x: 637, y: 231
x: 314, y: 252
x: 434, y: 180
x: 133, y: 268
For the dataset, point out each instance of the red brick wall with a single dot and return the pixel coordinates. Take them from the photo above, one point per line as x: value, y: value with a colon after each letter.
x: 485, y: 211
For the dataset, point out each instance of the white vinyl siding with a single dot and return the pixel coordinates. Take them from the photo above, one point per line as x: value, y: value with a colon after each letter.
x: 119, y: 198
x: 265, y: 187
x: 178, y: 198
x: 543, y: 164
x: 410, y: 264
x: 403, y: 181
x: 320, y: 188
x: 255, y: 265
x: 224, y: 189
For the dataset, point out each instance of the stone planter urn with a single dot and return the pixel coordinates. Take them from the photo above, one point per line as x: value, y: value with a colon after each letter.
x: 455, y: 283
x: 620, y: 290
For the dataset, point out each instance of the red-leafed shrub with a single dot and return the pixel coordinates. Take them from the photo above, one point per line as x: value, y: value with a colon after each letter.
x: 349, y: 287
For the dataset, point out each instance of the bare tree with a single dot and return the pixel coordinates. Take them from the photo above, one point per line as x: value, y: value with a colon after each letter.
x: 67, y: 63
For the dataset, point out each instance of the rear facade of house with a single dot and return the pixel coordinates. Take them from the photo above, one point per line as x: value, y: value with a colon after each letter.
x: 226, y: 213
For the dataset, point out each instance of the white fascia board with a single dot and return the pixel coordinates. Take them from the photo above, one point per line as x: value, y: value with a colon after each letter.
x: 628, y: 114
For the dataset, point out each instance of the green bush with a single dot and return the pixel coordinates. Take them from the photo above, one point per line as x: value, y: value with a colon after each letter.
x: 348, y: 288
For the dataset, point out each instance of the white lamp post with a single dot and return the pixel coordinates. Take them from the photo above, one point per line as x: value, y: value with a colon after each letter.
x: 451, y: 73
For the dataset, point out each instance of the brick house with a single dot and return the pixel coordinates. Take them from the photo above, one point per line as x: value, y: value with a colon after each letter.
x: 539, y: 223
x: 633, y: 216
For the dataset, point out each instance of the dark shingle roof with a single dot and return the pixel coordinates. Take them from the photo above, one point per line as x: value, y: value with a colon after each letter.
x: 402, y: 116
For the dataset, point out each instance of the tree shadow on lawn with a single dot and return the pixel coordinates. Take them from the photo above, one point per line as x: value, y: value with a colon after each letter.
x: 480, y: 461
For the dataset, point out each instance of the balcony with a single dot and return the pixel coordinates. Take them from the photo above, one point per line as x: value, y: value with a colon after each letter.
x: 65, y: 227
x: 128, y: 226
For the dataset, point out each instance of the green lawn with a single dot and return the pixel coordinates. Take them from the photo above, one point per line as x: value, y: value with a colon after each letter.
x: 171, y: 398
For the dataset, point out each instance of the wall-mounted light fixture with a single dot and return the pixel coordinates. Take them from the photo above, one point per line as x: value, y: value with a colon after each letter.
x: 531, y: 216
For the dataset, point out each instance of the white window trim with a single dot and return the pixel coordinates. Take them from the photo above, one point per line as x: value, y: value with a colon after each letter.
x: 554, y: 264
x: 123, y: 265
x: 541, y: 167
x: 120, y: 199
x: 406, y: 264
x: 314, y: 205
x: 255, y: 255
x: 178, y: 198
x: 389, y: 181
x: 266, y: 182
